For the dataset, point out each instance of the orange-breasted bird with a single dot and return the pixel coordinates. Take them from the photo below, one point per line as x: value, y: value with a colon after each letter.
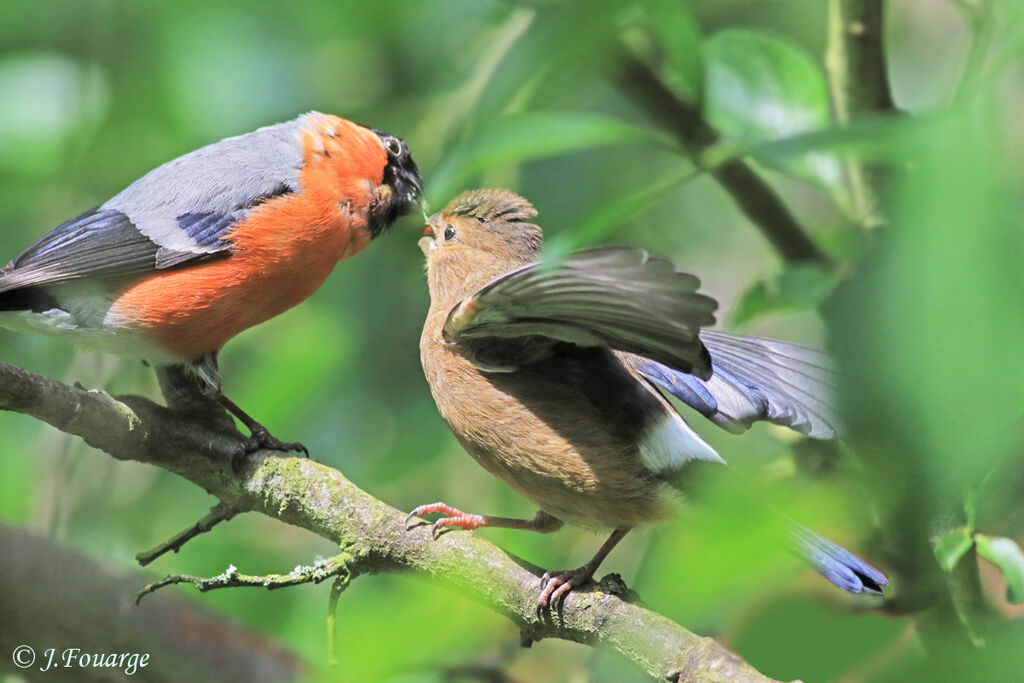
x: 212, y: 243
x: 549, y: 375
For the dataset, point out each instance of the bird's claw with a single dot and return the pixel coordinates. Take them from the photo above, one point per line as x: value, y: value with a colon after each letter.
x: 555, y: 586
x: 262, y: 439
x: 453, y: 518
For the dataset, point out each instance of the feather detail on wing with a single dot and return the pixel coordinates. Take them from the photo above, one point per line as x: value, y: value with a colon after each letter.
x: 757, y: 379
x: 96, y: 244
x: 616, y: 297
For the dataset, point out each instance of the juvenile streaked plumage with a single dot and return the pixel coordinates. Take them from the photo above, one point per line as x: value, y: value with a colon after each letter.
x: 212, y: 243
x: 548, y: 375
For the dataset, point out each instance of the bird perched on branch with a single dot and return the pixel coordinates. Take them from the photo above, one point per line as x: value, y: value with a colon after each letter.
x: 549, y: 376
x: 212, y: 243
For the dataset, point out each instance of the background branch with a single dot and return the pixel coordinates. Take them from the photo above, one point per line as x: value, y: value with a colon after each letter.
x: 684, y: 119
x: 57, y: 597
x: 859, y: 83
x: 371, y: 533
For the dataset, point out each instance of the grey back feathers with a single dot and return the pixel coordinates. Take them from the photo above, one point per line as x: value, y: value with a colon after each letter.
x: 222, y: 179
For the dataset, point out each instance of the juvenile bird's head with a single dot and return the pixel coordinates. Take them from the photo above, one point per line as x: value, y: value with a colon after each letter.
x: 478, y: 236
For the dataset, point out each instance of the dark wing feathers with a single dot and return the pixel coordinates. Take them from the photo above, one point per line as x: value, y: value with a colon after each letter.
x: 98, y: 243
x: 617, y: 297
x: 105, y: 242
x: 757, y: 379
x: 95, y: 244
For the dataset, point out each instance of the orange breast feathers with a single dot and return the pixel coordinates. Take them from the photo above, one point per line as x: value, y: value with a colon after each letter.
x: 281, y: 253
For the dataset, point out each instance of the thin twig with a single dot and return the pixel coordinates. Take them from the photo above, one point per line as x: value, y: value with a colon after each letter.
x: 337, y: 588
x: 320, y: 571
x: 218, y: 513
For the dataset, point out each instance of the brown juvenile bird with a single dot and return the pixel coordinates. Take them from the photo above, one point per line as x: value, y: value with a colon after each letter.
x: 547, y: 374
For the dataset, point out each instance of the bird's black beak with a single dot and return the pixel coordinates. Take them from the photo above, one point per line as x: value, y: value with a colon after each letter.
x: 403, y: 178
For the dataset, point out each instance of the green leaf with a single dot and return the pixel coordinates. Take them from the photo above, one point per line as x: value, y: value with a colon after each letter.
x: 759, y: 88
x: 883, y: 139
x: 951, y: 547
x: 616, y: 210
x: 799, y: 287
x: 679, y: 37
x: 1007, y: 555
x: 942, y: 290
x: 523, y: 137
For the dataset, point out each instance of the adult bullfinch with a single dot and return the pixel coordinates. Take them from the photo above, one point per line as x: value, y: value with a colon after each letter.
x: 549, y: 375
x: 212, y: 243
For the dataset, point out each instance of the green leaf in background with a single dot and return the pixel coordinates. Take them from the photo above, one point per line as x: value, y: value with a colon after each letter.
x: 895, y: 140
x: 599, y: 221
x: 679, y: 36
x: 932, y: 322
x: 1007, y: 555
x: 800, y: 287
x: 522, y: 137
x: 48, y: 101
x: 759, y: 88
x: 951, y: 547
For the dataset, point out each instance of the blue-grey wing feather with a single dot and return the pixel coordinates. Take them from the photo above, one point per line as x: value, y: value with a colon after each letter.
x: 757, y: 379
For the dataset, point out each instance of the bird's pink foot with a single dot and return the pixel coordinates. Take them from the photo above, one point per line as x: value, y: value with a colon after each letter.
x: 554, y: 586
x: 452, y: 518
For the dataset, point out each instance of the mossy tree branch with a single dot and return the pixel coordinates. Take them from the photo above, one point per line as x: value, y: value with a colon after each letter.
x: 303, y: 493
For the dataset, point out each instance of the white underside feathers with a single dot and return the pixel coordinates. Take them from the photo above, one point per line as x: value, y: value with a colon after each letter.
x: 670, y: 444
x: 83, y: 318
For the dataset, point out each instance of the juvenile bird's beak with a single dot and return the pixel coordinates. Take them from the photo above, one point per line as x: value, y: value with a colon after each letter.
x: 432, y: 224
x: 429, y: 244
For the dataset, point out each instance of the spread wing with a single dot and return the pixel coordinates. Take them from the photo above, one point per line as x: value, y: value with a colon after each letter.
x: 178, y: 213
x: 756, y: 379
x: 616, y: 297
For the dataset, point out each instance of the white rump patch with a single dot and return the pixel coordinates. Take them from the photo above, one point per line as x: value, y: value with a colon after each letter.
x: 671, y: 443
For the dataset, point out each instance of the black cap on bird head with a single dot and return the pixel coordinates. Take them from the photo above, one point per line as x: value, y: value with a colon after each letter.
x: 504, y: 213
x: 401, y: 180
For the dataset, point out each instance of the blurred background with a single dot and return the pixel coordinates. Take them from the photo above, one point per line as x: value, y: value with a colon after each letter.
x: 921, y: 297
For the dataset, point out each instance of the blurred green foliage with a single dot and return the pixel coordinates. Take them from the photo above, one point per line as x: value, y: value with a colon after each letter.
x: 928, y: 318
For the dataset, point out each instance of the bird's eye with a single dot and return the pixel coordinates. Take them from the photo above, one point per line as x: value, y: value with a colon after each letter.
x: 449, y: 233
x: 394, y: 146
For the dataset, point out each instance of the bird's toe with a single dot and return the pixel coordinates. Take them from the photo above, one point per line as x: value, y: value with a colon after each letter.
x: 555, y: 586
